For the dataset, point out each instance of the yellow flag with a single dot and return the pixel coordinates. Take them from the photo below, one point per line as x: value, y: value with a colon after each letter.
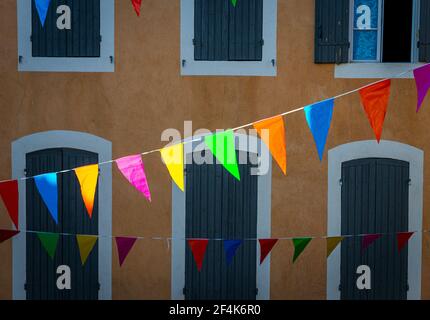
x: 173, y: 157
x: 87, y: 177
x: 332, y: 243
x: 86, y: 245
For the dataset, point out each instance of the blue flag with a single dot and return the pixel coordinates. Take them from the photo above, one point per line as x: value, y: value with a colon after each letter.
x: 319, y: 116
x: 230, y: 247
x: 42, y: 7
x: 47, y: 186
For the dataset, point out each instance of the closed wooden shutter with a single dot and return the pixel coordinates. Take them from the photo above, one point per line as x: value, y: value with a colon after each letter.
x: 82, y: 40
x: 226, y: 33
x: 332, y: 31
x: 424, y: 32
x: 220, y: 207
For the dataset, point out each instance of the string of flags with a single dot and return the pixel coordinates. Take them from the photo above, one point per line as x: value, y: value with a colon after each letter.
x: 198, y: 247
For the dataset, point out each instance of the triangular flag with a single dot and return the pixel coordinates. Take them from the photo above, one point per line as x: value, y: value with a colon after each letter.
x: 276, y: 139
x: 9, y: 194
x: 173, y: 158
x: 47, y: 186
x: 222, y: 146
x: 42, y: 7
x: 7, y: 234
x: 124, y: 245
x: 368, y: 239
x: 299, y: 245
x: 234, y: 2
x: 87, y: 177
x: 375, y: 101
x: 266, y: 245
x: 230, y: 248
x: 332, y: 243
x: 133, y: 170
x: 402, y: 239
x: 86, y: 245
x: 422, y: 80
x: 318, y: 117
x: 198, y: 248
x: 137, y: 4
x: 49, y: 242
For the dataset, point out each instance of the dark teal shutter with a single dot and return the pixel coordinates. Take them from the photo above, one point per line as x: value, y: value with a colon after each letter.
x: 83, y: 40
x: 374, y: 200
x: 424, y: 32
x: 72, y: 219
x: 226, y: 33
x: 219, y: 206
x: 331, y: 31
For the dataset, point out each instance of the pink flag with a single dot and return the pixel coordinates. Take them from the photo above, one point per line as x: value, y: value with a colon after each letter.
x: 422, y: 79
x: 133, y: 170
x: 124, y: 245
x: 368, y: 239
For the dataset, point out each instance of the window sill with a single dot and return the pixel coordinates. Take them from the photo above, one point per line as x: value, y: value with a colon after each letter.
x: 375, y: 70
x: 228, y: 68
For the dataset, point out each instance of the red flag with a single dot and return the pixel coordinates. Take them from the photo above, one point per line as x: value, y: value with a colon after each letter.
x: 266, y: 245
x: 198, y: 248
x: 9, y: 194
x: 7, y: 234
x: 368, y: 239
x: 375, y: 101
x: 137, y: 4
x: 402, y: 239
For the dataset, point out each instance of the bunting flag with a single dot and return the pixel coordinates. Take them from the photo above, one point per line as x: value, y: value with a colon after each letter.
x: 375, y: 102
x: 230, y: 247
x: 124, y: 245
x: 47, y: 186
x: 276, y: 139
x: 87, y: 177
x: 422, y: 80
x: 173, y: 158
x: 299, y: 246
x: 42, y: 7
x: 133, y: 170
x: 368, y: 239
x: 266, y: 245
x: 402, y: 239
x: 198, y: 248
x: 222, y: 146
x: 86, y: 245
x: 332, y: 243
x: 7, y: 234
x: 318, y: 117
x: 234, y: 2
x: 49, y: 242
x: 9, y: 194
x: 137, y: 4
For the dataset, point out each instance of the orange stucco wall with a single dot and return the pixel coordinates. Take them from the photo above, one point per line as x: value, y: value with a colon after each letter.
x: 146, y: 95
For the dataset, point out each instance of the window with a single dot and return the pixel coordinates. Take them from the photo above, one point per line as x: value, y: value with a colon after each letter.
x: 218, y: 38
x: 78, y: 35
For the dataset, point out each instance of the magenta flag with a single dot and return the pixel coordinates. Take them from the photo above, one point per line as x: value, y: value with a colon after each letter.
x: 124, y: 245
x: 133, y: 170
x: 368, y: 239
x: 422, y: 79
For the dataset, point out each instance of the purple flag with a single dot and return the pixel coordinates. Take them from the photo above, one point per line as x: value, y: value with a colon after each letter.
x: 422, y: 79
x: 124, y: 245
x: 133, y: 170
x: 368, y: 239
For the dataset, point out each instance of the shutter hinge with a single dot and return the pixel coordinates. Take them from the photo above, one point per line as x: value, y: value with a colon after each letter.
x: 256, y: 291
x: 409, y: 181
x: 25, y: 172
x: 31, y: 38
x: 407, y: 287
x: 340, y: 182
x: 98, y: 286
x: 195, y: 42
x: 100, y: 38
x: 339, y: 287
x: 261, y: 42
x: 25, y: 286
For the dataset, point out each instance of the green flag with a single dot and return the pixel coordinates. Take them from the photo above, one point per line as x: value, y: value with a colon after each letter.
x: 300, y: 245
x: 49, y: 242
x: 233, y: 2
x: 223, y: 148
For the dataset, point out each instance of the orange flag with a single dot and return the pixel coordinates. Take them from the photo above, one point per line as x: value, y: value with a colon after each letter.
x: 375, y: 102
x: 87, y: 177
x: 275, y: 141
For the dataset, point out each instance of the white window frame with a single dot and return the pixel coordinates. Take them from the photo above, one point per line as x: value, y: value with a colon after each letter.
x: 371, y: 149
x: 64, y: 139
x: 377, y: 69
x: 265, y: 67
x: 104, y: 63
x: 264, y: 196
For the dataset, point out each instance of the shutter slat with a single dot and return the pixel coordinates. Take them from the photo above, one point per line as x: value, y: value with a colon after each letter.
x: 424, y: 32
